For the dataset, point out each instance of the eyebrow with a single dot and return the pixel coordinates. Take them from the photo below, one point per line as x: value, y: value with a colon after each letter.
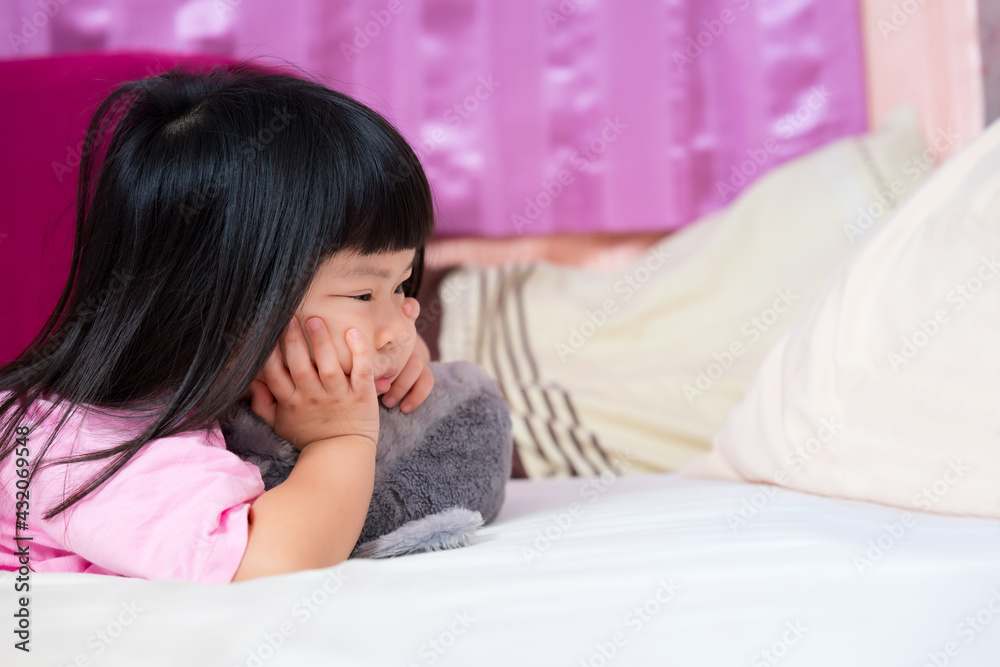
x: 371, y: 271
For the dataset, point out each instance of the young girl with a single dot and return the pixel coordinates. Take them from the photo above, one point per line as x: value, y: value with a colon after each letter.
x: 240, y: 234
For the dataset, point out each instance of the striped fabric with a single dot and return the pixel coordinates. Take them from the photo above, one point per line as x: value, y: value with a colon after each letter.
x: 550, y: 440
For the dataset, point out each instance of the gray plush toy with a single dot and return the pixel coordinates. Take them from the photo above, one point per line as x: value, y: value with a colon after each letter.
x: 440, y: 471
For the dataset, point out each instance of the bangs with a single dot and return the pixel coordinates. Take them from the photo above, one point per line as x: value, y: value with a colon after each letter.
x: 383, y: 190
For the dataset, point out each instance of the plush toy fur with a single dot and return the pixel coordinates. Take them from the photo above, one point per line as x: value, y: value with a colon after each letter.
x: 440, y: 471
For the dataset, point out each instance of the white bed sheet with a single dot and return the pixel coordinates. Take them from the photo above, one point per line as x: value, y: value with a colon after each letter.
x: 716, y: 591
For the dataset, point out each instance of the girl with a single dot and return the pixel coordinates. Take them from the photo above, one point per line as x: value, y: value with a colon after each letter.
x: 240, y: 234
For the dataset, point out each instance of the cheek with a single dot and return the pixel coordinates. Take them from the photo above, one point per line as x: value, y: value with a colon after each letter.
x: 411, y: 339
x: 336, y: 327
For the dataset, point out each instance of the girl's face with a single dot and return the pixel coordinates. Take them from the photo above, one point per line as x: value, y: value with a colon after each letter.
x: 365, y: 292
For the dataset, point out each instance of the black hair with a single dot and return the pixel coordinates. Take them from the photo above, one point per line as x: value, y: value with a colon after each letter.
x: 206, y: 202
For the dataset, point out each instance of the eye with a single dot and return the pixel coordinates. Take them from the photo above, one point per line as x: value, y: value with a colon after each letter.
x: 363, y: 297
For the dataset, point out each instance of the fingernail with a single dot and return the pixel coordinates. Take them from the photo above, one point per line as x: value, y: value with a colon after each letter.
x: 389, y: 401
x: 313, y: 323
x: 406, y: 407
x: 353, y: 333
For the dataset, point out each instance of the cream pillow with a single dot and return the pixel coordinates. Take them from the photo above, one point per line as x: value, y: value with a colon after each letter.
x: 637, y: 368
x: 887, y: 386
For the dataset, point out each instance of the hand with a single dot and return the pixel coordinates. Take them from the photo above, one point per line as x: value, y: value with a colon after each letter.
x: 307, y: 402
x: 415, y: 381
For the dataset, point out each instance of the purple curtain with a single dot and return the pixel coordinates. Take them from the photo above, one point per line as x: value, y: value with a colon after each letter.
x: 535, y: 116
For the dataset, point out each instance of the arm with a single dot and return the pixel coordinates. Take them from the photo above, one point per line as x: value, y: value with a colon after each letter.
x: 314, y: 518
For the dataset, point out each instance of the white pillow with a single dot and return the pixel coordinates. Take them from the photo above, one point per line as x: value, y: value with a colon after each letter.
x: 887, y: 386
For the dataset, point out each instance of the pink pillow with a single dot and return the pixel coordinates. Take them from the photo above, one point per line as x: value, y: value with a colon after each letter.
x: 887, y: 387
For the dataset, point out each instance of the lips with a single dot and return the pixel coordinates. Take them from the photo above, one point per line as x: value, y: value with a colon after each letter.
x: 383, y: 382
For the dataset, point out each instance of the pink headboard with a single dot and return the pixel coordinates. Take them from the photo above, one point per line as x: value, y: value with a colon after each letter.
x: 48, y: 104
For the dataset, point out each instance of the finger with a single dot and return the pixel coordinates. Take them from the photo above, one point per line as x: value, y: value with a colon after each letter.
x: 262, y: 402
x: 276, y: 376
x: 411, y: 308
x: 403, y: 382
x: 331, y: 374
x: 300, y: 365
x: 362, y: 374
x: 420, y: 391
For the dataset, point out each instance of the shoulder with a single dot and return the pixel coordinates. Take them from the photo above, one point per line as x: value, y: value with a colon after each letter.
x: 88, y: 430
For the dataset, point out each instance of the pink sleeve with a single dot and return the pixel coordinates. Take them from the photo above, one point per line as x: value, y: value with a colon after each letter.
x: 177, y: 510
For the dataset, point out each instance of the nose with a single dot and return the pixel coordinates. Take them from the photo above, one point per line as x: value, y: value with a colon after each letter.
x: 392, y: 327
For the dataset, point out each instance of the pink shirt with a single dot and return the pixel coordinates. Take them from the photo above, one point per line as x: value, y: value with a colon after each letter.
x: 177, y: 510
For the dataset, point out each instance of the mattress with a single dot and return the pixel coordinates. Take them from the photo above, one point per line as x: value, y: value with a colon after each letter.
x: 646, y: 569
